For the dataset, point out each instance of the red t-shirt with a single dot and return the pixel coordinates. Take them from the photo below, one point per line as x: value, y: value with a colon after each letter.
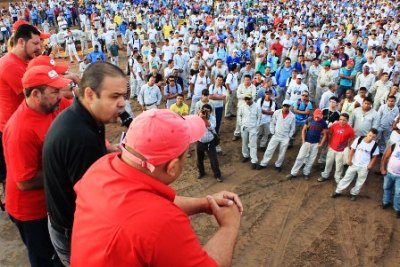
x: 23, y: 139
x: 340, y: 136
x: 124, y: 217
x: 12, y: 68
x: 278, y: 48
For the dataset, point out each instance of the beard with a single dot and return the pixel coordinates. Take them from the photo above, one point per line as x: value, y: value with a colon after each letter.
x: 50, y: 108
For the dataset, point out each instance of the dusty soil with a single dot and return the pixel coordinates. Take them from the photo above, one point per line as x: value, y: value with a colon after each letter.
x: 285, y: 223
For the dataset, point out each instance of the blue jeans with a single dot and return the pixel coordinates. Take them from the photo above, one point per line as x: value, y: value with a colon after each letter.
x: 218, y: 118
x: 35, y: 236
x: 389, y: 181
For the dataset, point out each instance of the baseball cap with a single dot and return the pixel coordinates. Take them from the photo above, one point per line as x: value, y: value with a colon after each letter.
x: 286, y: 102
x: 299, y: 76
x: 43, y: 75
x: 160, y: 135
x: 43, y: 35
x: 47, y: 61
x: 249, y: 96
x: 326, y: 64
x: 317, y: 115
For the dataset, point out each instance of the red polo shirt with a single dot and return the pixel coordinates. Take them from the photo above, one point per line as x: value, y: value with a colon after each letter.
x: 124, y: 217
x: 23, y: 139
x: 12, y: 68
x: 340, y: 136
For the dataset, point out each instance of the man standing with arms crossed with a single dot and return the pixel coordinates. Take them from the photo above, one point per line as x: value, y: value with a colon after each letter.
x: 139, y: 219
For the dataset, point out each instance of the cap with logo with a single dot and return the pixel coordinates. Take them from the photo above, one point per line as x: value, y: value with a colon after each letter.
x: 47, y: 61
x: 160, y: 135
x: 43, y: 75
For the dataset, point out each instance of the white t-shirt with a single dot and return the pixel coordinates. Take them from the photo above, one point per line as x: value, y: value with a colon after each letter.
x: 200, y: 85
x: 268, y: 106
x: 362, y: 155
x: 232, y: 80
x: 214, y: 90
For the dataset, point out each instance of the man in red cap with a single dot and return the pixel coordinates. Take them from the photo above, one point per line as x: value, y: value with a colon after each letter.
x: 23, y: 140
x: 311, y: 134
x: 139, y: 220
x: 12, y: 68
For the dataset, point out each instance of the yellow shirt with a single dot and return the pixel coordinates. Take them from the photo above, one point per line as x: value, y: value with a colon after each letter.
x: 182, y: 110
x: 117, y: 20
x: 167, y: 30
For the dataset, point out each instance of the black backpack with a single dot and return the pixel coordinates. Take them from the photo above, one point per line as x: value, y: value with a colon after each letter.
x: 373, y: 148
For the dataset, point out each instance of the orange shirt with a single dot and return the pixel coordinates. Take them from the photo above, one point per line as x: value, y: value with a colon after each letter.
x: 12, y: 68
x: 340, y: 136
x: 124, y: 217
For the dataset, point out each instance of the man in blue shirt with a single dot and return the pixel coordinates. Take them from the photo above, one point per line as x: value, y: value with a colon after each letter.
x: 311, y: 141
x: 346, y: 75
x: 96, y: 54
x: 302, y: 110
x: 281, y: 76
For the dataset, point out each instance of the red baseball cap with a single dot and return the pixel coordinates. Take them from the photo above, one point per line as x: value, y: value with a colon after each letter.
x: 47, y: 61
x: 350, y: 62
x: 317, y: 115
x: 43, y: 35
x: 43, y: 75
x: 160, y: 135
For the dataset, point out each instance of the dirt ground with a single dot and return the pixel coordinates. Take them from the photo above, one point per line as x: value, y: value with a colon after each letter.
x: 285, y: 223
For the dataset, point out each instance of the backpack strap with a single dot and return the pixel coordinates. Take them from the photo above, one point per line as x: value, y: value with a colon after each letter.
x: 373, y: 149
x: 359, y: 140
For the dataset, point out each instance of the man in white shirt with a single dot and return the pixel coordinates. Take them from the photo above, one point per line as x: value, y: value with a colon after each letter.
x: 268, y: 108
x: 198, y: 82
x: 282, y: 126
x: 365, y: 79
x: 231, y: 85
x: 362, y: 157
x: 249, y: 116
x: 294, y: 90
x: 150, y: 95
x: 244, y: 88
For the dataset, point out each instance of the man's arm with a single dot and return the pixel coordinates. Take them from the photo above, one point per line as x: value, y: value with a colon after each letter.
x: 303, y: 133
x: 220, y: 247
x: 32, y: 184
x: 191, y: 205
x: 385, y: 160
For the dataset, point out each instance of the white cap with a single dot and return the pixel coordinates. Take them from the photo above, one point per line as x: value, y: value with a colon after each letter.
x: 286, y: 102
x: 299, y: 76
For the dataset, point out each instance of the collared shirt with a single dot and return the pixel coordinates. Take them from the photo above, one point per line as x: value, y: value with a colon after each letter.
x: 73, y: 143
x: 125, y: 217
x: 362, y: 121
x: 149, y: 95
x: 208, y: 135
x: 386, y: 117
x: 282, y: 127
x: 250, y: 116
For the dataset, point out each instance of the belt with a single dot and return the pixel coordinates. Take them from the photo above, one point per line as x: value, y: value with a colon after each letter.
x: 60, y: 229
x: 148, y: 105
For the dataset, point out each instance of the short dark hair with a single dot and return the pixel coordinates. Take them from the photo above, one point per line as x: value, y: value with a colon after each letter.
x: 205, y: 92
x: 368, y: 99
x: 94, y: 75
x: 247, y: 76
x: 392, y: 97
x: 180, y: 95
x: 345, y: 115
x: 28, y: 91
x: 374, y: 131
x: 334, y: 98
x: 220, y: 76
x: 25, y: 31
x: 362, y: 88
x: 207, y: 106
